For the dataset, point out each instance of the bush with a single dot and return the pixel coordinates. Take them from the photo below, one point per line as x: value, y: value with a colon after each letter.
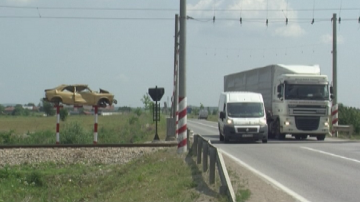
x: 63, y: 114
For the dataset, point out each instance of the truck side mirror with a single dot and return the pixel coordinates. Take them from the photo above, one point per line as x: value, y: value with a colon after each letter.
x: 332, y: 96
x: 222, y: 115
x: 279, y: 88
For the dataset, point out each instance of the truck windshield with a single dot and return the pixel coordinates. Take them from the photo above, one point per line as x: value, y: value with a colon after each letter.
x: 306, y: 91
x: 245, y: 109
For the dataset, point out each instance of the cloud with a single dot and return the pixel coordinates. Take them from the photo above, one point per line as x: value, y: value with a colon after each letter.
x: 328, y: 39
x: 291, y: 30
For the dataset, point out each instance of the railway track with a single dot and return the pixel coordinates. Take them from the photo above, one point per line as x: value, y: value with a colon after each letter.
x: 173, y: 144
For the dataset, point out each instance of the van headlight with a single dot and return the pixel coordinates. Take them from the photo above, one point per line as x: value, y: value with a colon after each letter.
x: 262, y: 122
x: 326, y: 124
x: 230, y: 122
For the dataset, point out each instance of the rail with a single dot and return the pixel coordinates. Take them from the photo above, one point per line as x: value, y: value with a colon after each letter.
x: 204, y: 150
x: 88, y: 145
x: 343, y: 128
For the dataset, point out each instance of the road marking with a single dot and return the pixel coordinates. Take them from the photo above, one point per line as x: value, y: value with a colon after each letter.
x: 274, y: 182
x: 202, y: 124
x: 331, y: 154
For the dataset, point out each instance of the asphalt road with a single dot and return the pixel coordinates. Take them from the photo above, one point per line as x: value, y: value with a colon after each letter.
x: 309, y: 170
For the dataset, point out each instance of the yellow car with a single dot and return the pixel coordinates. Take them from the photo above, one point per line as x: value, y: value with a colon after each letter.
x: 78, y: 94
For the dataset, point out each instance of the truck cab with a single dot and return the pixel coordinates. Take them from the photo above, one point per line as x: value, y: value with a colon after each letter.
x: 301, y: 106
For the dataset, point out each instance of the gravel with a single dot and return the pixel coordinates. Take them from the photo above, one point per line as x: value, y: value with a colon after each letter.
x: 72, y: 155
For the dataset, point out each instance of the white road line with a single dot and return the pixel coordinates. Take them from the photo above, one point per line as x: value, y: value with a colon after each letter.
x: 274, y: 182
x: 331, y: 154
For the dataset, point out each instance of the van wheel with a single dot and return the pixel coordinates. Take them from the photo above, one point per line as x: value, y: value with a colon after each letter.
x: 221, y: 138
x: 226, y: 139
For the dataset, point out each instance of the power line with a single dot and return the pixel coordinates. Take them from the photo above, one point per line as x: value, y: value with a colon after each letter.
x: 175, y: 9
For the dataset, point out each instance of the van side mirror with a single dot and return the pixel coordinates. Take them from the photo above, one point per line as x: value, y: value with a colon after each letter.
x: 331, y: 90
x: 279, y: 88
x: 332, y: 96
x: 222, y: 115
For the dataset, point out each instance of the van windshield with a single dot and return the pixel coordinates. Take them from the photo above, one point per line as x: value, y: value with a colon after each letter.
x: 245, y: 109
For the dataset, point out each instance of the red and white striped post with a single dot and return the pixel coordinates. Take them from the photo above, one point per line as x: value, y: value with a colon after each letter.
x: 182, y: 125
x: 58, y: 123
x: 95, y: 124
x: 334, y: 118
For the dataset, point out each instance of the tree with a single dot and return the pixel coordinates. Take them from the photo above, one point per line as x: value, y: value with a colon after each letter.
x: 201, y: 106
x: 147, y: 101
x: 48, y: 108
x: 63, y: 114
x: 18, y: 110
x: 2, y: 108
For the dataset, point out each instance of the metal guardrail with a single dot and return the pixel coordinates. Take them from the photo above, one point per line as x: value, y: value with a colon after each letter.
x: 89, y: 145
x: 205, y: 151
x: 344, y: 128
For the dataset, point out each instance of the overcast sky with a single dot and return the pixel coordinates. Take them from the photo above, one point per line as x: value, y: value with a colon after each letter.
x: 127, y: 47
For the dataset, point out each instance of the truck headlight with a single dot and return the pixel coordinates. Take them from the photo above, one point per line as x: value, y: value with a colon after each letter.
x: 286, y: 123
x: 326, y: 124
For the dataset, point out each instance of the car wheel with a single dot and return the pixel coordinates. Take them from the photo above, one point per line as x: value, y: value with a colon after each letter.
x: 56, y: 100
x: 103, y: 103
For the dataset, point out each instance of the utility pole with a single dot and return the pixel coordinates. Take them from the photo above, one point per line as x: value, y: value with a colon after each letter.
x: 182, y: 123
x: 176, y: 69
x: 334, y: 109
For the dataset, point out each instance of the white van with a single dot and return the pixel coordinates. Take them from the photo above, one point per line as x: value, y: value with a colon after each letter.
x: 242, y: 116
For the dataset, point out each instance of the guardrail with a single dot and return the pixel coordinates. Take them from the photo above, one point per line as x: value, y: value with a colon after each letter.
x: 343, y: 128
x: 205, y: 151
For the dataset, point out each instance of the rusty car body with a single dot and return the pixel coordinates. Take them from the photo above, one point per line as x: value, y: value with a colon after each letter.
x: 79, y: 94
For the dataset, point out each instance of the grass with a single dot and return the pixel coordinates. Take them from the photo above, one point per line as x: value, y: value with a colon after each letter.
x: 161, y: 176
x: 125, y: 128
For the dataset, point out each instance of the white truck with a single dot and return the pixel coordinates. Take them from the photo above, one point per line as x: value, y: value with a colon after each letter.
x: 297, y: 98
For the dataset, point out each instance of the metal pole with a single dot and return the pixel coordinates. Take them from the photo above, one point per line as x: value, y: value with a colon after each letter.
x: 334, y: 51
x: 95, y: 124
x: 334, y: 113
x: 182, y: 123
x: 176, y: 69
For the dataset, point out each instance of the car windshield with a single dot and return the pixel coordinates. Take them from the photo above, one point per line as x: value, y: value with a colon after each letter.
x: 244, y: 109
x: 309, y: 92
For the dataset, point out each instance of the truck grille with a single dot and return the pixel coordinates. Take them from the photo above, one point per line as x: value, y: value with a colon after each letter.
x: 247, y: 130
x: 307, y: 122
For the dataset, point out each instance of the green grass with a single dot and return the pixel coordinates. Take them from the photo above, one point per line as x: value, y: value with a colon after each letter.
x: 160, y: 176
x: 126, y: 128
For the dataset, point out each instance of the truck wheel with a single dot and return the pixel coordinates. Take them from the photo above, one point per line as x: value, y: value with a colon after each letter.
x: 278, y: 135
x: 320, y: 137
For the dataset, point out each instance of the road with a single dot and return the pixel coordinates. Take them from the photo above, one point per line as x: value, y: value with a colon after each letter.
x: 309, y: 170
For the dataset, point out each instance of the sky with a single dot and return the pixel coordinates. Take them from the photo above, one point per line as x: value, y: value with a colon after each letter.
x: 127, y: 47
